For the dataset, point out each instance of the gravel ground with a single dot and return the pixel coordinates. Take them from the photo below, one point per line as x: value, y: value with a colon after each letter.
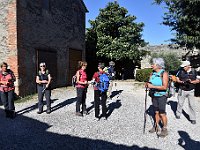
x: 123, y: 130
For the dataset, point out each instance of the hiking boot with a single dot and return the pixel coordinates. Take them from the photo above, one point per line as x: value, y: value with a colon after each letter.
x: 79, y: 114
x: 39, y: 112
x: 12, y: 114
x: 85, y: 112
x: 163, y: 133
x: 97, y: 118
x: 193, y: 121
x: 7, y: 113
x: 153, y: 129
x: 48, y: 111
x: 178, y: 117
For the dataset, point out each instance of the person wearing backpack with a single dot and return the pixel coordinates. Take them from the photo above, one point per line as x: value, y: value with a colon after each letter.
x: 43, y: 80
x: 111, y: 75
x: 7, y: 89
x: 81, y: 88
x: 187, y: 78
x: 100, y: 91
x: 158, y: 84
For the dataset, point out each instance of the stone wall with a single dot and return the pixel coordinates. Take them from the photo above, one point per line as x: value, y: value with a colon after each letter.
x: 38, y: 27
x: 8, y: 34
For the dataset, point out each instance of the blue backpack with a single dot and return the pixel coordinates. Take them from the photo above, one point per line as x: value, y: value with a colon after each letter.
x: 103, y: 84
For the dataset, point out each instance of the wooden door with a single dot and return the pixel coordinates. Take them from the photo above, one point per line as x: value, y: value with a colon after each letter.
x: 74, y: 57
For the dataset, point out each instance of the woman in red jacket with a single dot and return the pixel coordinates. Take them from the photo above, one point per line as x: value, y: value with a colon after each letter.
x: 7, y: 89
x: 81, y: 87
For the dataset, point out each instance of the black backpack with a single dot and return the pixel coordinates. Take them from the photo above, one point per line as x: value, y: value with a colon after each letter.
x: 74, y: 79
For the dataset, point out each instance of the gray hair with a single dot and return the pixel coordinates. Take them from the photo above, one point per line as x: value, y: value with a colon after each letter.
x: 159, y: 62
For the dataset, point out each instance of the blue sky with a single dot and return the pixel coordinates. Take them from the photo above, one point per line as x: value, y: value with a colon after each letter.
x: 151, y: 15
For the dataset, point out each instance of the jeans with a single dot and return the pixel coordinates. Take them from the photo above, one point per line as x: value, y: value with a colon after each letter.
x: 98, y: 95
x: 7, y: 99
x: 41, y: 94
x: 81, y: 97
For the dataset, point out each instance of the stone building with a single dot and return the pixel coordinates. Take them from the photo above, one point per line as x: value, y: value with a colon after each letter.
x: 34, y: 31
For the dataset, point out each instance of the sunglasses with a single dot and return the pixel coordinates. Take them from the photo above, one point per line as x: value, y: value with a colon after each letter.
x: 42, y: 66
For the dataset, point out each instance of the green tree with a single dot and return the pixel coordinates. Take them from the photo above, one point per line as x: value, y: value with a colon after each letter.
x: 172, y: 61
x: 183, y: 16
x: 115, y: 35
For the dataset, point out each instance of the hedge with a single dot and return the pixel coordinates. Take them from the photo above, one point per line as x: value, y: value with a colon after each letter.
x: 142, y: 75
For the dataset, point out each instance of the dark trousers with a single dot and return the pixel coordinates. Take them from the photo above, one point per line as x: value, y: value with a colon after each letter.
x: 7, y: 99
x: 100, y: 98
x: 81, y: 97
x: 41, y: 94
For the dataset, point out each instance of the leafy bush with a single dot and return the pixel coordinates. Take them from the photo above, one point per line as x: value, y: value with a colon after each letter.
x: 172, y: 61
x: 142, y: 75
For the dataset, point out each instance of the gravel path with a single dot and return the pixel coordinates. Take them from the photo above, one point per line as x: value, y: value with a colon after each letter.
x: 123, y: 130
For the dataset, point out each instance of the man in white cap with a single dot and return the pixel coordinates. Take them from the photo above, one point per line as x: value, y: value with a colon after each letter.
x: 187, y: 80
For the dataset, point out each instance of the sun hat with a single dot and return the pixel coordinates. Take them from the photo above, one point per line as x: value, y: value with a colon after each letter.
x: 185, y: 63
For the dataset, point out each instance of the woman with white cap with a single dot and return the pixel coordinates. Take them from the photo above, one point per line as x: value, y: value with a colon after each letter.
x: 187, y: 78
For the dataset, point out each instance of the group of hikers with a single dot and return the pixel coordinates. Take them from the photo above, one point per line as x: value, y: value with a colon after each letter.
x: 158, y: 90
x: 102, y: 83
x: 105, y: 75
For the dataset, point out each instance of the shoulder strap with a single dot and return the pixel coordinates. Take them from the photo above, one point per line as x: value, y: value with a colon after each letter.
x: 99, y: 73
x: 178, y: 73
x: 47, y: 72
x: 40, y: 73
x: 194, y: 71
x: 161, y: 73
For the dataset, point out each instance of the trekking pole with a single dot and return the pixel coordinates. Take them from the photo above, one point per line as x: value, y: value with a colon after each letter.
x: 145, y: 108
x: 44, y: 88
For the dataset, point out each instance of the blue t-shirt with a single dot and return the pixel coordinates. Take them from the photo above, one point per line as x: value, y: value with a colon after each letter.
x: 156, y: 80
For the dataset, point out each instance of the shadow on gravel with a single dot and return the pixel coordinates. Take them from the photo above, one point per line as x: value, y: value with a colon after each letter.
x: 90, y: 108
x: 186, y: 142
x: 112, y: 106
x: 173, y: 105
x: 114, y: 93
x: 150, y: 112
x: 31, y: 108
x: 186, y: 115
x: 23, y: 133
x: 63, y: 104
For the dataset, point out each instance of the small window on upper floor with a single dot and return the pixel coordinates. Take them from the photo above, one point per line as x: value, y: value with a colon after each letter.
x: 46, y: 5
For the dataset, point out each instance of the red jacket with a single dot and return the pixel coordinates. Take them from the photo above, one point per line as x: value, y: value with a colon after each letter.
x: 96, y: 77
x: 10, y: 78
x: 82, y: 78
